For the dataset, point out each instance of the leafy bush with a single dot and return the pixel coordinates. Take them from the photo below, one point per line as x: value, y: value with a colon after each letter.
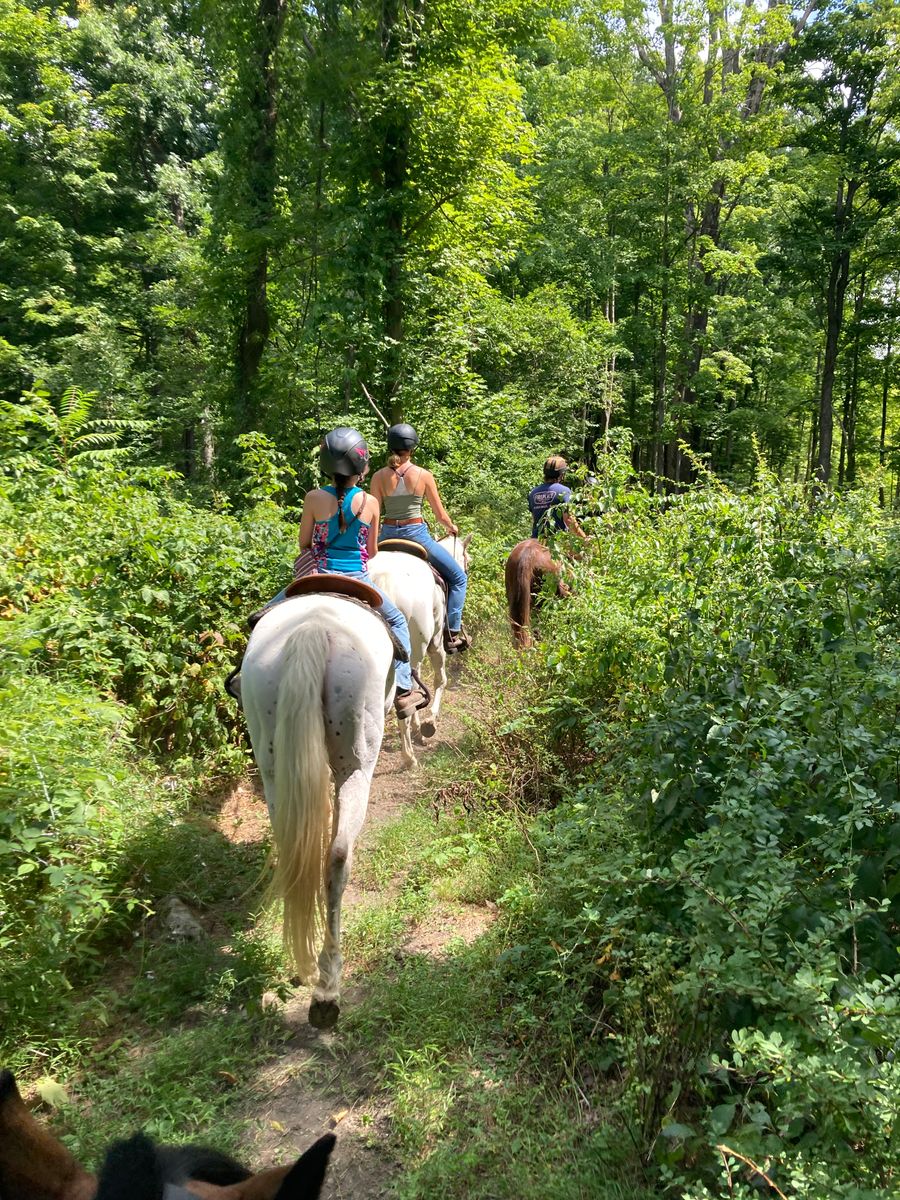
x: 122, y: 609
x: 716, y: 920
x: 68, y: 794
x: 118, y: 582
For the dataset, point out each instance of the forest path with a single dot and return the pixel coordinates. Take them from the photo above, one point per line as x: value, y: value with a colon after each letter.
x: 310, y: 1087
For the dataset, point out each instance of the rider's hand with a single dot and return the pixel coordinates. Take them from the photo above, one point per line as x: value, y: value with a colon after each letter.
x: 451, y: 528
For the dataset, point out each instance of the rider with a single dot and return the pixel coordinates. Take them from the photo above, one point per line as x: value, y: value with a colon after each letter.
x: 401, y: 487
x: 339, y: 527
x: 547, y: 502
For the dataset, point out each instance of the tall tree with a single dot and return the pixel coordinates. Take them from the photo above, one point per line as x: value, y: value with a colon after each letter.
x: 846, y: 88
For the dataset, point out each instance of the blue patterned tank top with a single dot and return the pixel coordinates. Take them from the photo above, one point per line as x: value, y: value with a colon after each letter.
x: 342, y: 553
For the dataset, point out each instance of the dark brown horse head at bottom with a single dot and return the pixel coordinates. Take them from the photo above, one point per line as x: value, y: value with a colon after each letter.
x: 34, y: 1165
x: 528, y: 564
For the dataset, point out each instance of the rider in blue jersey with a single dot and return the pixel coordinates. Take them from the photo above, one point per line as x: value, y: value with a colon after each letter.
x: 548, y: 502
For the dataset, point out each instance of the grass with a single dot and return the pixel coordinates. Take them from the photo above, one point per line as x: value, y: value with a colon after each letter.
x: 477, y: 1106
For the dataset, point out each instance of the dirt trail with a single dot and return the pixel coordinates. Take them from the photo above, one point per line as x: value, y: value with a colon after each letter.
x: 301, y: 1094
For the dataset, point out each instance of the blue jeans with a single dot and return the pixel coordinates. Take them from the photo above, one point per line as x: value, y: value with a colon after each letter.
x: 394, y: 618
x: 442, y: 561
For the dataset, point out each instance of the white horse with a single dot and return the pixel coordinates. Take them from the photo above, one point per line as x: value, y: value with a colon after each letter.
x: 409, y: 582
x: 316, y: 682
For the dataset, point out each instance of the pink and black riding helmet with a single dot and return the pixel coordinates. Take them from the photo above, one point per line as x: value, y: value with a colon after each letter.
x: 343, y: 452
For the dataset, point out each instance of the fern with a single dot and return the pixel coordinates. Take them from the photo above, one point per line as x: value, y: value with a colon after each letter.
x: 65, y: 433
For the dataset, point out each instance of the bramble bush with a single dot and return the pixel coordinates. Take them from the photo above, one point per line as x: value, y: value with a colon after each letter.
x: 122, y: 608
x: 115, y: 580
x: 715, y: 924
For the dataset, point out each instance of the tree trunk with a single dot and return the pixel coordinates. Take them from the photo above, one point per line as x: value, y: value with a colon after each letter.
x: 262, y: 103
x: 838, y: 278
x: 660, y: 381
x: 885, y: 392
x: 395, y: 17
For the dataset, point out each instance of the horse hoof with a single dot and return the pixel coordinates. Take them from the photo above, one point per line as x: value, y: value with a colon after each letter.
x: 428, y: 727
x: 323, y: 1014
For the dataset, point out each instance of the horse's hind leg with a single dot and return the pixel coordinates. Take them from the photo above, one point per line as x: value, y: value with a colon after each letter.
x: 406, y: 745
x: 352, y: 798
x: 438, y: 660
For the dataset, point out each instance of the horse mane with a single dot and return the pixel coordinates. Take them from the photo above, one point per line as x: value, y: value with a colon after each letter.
x: 200, y: 1162
x: 136, y: 1168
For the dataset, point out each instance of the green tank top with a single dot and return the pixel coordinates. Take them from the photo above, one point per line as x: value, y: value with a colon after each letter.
x: 403, y: 505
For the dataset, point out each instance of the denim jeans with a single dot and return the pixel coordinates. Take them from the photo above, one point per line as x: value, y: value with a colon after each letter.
x: 394, y: 618
x: 442, y: 561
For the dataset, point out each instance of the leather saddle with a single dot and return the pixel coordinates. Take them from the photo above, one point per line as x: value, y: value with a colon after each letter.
x: 334, y: 585
x: 404, y: 546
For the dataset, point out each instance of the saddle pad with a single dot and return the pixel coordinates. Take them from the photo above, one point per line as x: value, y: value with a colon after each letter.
x: 335, y: 585
x: 405, y: 546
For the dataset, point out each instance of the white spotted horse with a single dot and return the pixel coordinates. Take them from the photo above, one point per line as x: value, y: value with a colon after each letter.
x: 401, y: 571
x: 35, y: 1165
x: 316, y: 682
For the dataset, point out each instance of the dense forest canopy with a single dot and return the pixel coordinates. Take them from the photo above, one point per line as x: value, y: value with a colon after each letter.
x: 555, y: 222
x: 659, y: 238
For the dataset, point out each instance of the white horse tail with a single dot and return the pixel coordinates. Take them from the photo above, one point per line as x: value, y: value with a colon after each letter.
x: 302, y: 817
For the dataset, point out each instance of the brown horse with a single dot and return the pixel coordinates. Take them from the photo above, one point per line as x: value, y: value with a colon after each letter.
x: 528, y: 563
x: 34, y: 1165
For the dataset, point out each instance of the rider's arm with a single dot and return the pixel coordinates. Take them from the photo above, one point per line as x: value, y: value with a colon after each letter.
x: 434, y: 499
x: 307, y: 521
x: 573, y: 526
x: 372, y: 517
x: 375, y: 488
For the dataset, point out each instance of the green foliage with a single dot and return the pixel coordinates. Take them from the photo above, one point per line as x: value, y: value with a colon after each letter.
x: 726, y: 930
x: 268, y: 472
x: 119, y: 582
x: 122, y: 611
x: 69, y: 430
x: 68, y: 795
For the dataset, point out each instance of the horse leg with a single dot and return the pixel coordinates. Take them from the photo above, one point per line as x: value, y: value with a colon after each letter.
x: 438, y: 659
x: 406, y: 746
x: 352, y: 798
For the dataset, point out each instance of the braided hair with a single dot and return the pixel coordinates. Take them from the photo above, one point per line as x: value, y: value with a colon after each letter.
x: 341, y: 484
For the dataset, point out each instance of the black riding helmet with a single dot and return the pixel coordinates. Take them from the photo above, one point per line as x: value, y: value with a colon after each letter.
x: 344, y: 452
x: 402, y: 437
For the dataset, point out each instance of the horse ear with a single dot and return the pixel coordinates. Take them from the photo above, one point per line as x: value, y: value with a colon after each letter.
x: 131, y: 1171
x: 466, y: 540
x: 33, y: 1164
x: 303, y: 1181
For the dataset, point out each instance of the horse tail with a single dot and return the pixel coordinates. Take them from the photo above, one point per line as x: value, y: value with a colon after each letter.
x: 301, y: 822
x: 518, y: 595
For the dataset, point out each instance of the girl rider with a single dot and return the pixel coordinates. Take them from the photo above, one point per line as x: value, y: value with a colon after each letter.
x: 402, y: 487
x: 339, y: 528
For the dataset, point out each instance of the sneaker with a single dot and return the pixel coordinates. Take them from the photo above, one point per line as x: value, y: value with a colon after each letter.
x: 406, y: 703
